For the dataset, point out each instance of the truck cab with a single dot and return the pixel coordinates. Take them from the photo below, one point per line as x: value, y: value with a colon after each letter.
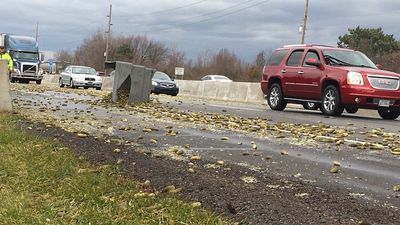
x: 24, y: 51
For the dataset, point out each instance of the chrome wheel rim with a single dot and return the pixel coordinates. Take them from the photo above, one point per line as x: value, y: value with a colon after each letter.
x: 330, y: 100
x: 274, y: 97
x: 310, y: 104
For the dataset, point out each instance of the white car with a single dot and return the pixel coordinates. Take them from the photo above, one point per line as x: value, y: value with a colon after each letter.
x: 80, y: 76
x: 218, y: 78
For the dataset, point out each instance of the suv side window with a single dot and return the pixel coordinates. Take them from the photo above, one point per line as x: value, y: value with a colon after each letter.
x: 277, y: 57
x: 294, y: 59
x: 310, y: 54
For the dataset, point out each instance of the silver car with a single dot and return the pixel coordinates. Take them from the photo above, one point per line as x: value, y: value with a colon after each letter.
x: 80, y: 76
x: 217, y: 78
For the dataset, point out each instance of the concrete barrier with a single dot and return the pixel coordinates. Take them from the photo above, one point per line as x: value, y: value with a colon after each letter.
x: 234, y: 91
x: 49, y: 78
x: 5, y: 95
x: 131, y: 78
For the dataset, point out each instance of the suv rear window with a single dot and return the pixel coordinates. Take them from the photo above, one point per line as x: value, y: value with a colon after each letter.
x: 277, y: 57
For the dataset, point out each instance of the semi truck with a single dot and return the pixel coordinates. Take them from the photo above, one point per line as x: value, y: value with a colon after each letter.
x: 24, y: 51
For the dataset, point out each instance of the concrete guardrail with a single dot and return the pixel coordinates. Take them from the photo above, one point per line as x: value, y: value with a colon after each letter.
x: 5, y: 95
x: 233, y: 91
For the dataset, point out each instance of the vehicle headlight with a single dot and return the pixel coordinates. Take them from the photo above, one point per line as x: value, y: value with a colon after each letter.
x: 355, y: 78
x: 98, y: 79
x: 154, y: 83
x: 16, y: 70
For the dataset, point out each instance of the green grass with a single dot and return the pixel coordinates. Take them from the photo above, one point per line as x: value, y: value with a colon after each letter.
x: 43, y: 183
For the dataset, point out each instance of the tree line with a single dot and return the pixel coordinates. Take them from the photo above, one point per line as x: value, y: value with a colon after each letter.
x: 139, y: 49
x: 381, y: 48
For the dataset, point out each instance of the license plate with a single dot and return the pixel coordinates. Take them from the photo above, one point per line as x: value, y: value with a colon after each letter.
x: 384, y: 103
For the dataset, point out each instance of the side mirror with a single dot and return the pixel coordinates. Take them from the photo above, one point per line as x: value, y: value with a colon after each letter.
x: 42, y: 57
x: 379, y: 66
x: 314, y: 62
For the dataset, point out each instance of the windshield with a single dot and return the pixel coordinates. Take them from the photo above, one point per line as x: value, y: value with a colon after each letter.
x: 161, y: 76
x: 347, y: 58
x: 83, y: 70
x: 26, y: 55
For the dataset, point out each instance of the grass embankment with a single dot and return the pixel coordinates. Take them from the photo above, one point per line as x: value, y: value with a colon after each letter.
x: 43, y: 183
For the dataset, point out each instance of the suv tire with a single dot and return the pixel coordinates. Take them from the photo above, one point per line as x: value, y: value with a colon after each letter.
x: 330, y: 104
x: 310, y: 106
x: 275, y: 98
x: 388, y: 114
x: 351, y: 109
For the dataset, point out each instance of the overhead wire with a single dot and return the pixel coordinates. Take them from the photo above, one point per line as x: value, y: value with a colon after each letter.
x: 168, y: 10
x: 201, y: 16
x: 207, y: 19
x: 198, y: 16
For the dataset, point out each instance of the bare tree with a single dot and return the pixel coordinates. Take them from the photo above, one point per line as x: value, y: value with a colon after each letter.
x: 64, y: 58
x: 390, y: 61
x: 91, y: 52
x: 175, y: 58
x: 143, y: 51
x: 148, y: 52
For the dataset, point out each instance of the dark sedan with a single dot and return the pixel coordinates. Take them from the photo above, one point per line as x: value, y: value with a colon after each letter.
x: 163, y: 84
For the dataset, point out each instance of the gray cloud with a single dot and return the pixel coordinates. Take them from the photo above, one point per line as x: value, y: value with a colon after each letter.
x: 202, y: 25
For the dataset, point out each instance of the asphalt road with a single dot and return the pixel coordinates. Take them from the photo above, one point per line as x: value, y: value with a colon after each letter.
x: 365, y: 173
x: 368, y: 174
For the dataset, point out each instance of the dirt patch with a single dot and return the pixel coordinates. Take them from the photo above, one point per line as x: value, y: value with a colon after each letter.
x: 237, y: 193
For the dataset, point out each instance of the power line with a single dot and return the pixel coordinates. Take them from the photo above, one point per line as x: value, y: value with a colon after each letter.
x: 167, y: 10
x: 197, y: 16
x: 210, y: 18
x: 203, y: 15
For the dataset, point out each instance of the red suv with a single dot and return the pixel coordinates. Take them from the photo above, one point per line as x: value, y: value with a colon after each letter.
x: 329, y: 78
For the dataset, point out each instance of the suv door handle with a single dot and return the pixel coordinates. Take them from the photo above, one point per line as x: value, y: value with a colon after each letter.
x: 300, y: 72
x: 283, y: 71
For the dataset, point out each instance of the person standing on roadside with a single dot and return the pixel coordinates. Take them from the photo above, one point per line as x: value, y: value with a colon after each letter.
x: 6, y: 56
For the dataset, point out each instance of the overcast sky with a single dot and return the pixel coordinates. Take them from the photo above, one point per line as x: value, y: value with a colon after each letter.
x: 194, y: 26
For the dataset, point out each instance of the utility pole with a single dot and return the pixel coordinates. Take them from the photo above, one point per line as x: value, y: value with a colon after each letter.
x: 108, y: 34
x: 303, y: 31
x: 37, y: 32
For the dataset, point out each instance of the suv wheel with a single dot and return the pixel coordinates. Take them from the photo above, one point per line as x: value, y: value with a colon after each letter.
x: 331, y: 101
x: 275, y: 98
x: 351, y: 109
x: 388, y: 114
x: 310, y: 106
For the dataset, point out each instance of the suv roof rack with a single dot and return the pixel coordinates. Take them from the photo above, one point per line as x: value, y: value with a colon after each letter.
x: 307, y: 45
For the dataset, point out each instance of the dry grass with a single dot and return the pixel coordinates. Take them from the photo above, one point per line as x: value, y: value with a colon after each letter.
x: 43, y: 183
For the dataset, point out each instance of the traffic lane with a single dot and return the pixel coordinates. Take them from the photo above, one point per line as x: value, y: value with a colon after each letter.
x: 365, y: 119
x: 365, y: 174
